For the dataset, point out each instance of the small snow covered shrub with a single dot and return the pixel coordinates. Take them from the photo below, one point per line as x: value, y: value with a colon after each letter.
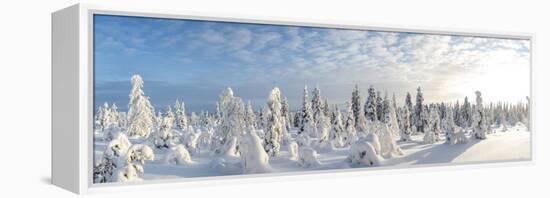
x: 204, y: 141
x: 164, y: 137
x: 105, y: 169
x: 118, y: 146
x: 190, y: 142
x: 136, y: 156
x: 457, y: 137
x: 127, y: 173
x: 363, y: 153
x: 254, y: 159
x: 293, y: 150
x: 138, y: 153
x: 307, y: 157
x: 177, y: 155
x: 430, y: 137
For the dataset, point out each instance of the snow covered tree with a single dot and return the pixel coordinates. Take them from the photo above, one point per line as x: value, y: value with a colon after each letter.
x: 388, y: 145
x: 390, y: 119
x: 466, y: 113
x: 364, y: 154
x: 103, y: 117
x: 253, y: 157
x: 285, y: 113
x: 358, y: 113
x: 296, y: 121
x: 350, y: 133
x: 448, y: 124
x: 134, y: 160
x: 105, y: 168
x: 194, y: 119
x: 249, y: 117
x: 307, y: 124
x: 140, y: 111
x: 410, y: 109
x: 291, y: 122
x: 418, y: 111
x: 379, y: 106
x: 97, y: 119
x: 177, y: 155
x: 394, y: 105
x: 370, y: 106
x: 384, y: 110
x: 434, y: 122
x: 406, y: 130
x: 337, y: 134
x: 231, y: 122
x: 163, y: 138
x: 457, y: 114
x: 260, y: 120
x: 114, y: 115
x: 275, y: 126
x: 217, y: 113
x: 323, y: 128
x: 284, y: 108
x: 181, y: 118
x: 326, y: 108
x: 317, y: 105
x: 478, y: 119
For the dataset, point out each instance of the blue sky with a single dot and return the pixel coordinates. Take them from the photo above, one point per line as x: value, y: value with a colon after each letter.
x: 195, y: 60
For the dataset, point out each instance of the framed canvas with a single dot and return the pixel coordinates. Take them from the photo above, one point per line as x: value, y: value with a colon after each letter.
x: 159, y: 98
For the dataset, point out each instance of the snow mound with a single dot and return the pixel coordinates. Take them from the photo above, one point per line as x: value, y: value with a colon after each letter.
x: 324, y: 146
x: 226, y: 165
x: 363, y: 153
x: 307, y: 157
x: 178, y: 155
x: 254, y: 159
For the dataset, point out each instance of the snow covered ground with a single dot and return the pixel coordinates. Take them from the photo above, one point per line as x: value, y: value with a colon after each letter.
x: 511, y: 145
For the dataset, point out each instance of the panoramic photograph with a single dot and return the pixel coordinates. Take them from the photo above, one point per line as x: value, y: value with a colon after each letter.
x: 182, y: 98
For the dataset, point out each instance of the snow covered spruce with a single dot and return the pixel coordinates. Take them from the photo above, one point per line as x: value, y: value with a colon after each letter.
x: 274, y: 136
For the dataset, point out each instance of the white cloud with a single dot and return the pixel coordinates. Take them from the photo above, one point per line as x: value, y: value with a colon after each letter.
x: 264, y: 38
x: 213, y: 37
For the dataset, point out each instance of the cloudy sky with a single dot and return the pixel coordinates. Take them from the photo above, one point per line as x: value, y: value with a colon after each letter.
x: 195, y: 60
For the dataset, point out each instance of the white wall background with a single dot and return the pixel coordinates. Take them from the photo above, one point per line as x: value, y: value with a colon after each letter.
x: 25, y: 96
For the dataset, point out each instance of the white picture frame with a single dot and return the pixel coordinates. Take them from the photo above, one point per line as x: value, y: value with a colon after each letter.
x: 72, y: 86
